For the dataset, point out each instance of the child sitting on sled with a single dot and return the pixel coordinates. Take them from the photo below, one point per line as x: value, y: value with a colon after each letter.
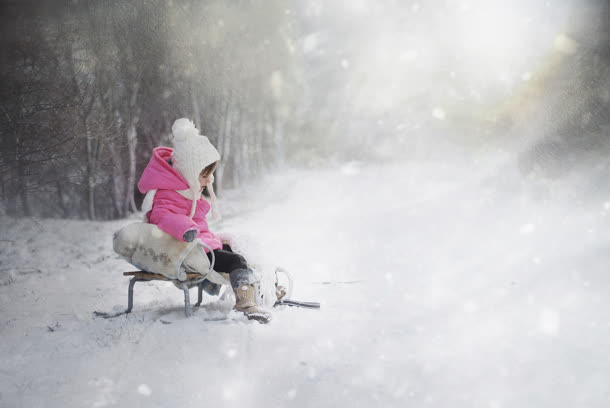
x: 173, y: 182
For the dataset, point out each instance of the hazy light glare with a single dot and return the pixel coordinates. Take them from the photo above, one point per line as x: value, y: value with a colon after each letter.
x: 468, y: 57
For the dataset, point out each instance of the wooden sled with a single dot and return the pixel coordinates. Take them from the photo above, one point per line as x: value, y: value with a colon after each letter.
x: 193, y: 279
x: 150, y: 249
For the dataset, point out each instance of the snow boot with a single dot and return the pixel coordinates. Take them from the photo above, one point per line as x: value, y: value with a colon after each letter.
x: 211, y: 288
x: 245, y: 296
x: 245, y: 303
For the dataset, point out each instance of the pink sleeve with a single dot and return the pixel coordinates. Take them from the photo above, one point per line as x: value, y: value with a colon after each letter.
x: 168, y: 217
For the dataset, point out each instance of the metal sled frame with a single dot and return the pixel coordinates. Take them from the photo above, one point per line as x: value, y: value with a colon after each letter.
x: 192, y: 278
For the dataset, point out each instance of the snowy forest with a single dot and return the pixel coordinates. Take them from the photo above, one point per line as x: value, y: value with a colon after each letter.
x: 90, y: 87
x: 435, y: 174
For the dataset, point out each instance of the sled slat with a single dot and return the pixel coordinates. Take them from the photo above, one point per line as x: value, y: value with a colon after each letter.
x: 157, y: 276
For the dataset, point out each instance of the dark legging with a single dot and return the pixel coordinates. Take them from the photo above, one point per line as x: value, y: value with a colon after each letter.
x: 227, y: 261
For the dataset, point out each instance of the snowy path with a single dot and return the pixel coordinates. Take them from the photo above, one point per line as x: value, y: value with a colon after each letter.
x: 435, y: 291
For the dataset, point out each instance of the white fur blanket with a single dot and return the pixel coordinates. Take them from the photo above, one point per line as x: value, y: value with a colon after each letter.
x: 149, y: 248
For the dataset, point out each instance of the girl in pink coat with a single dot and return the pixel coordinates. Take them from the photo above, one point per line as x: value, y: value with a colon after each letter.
x: 173, y: 182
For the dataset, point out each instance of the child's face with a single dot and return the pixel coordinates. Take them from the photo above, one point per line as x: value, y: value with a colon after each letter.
x: 205, y: 180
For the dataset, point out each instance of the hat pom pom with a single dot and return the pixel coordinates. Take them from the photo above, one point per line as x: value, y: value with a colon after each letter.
x: 183, y: 128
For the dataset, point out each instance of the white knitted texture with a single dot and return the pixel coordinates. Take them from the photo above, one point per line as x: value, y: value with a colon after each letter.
x: 192, y: 153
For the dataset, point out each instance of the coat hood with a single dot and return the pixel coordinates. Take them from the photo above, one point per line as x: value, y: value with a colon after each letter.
x: 158, y: 174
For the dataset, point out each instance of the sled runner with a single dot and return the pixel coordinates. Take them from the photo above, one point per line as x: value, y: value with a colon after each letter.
x: 284, y: 294
x: 296, y: 303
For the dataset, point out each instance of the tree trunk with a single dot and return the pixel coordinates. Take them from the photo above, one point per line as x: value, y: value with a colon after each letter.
x: 23, y: 192
x: 21, y: 184
x: 90, y: 174
x: 196, y: 111
x: 223, y: 146
x: 237, y: 164
x: 258, y: 141
x: 118, y: 181
x: 13, y: 180
x: 60, y: 199
x: 132, y: 142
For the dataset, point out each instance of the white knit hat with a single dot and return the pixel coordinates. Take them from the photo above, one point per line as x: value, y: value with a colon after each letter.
x: 193, y: 152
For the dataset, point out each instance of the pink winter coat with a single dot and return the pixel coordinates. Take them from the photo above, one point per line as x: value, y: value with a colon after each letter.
x: 170, y: 210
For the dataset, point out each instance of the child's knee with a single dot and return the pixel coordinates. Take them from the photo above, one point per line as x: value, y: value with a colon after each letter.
x: 241, y: 262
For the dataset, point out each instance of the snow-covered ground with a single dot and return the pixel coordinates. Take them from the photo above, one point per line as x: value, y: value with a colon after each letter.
x: 438, y: 288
